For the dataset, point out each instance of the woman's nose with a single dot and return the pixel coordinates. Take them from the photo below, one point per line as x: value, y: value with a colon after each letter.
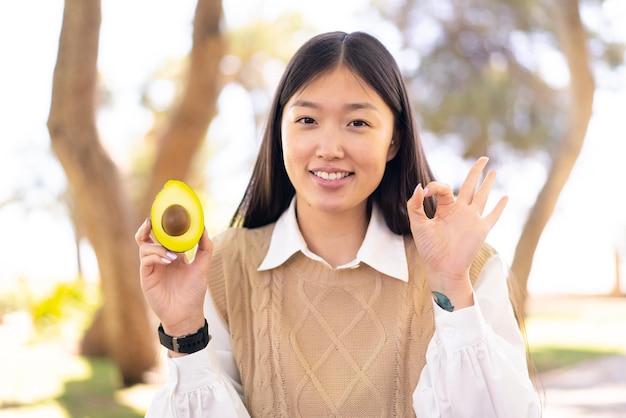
x: 330, y: 146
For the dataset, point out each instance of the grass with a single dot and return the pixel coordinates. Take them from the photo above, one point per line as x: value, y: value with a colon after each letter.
x: 96, y: 396
x: 564, y: 331
x: 90, y: 389
x: 547, y: 358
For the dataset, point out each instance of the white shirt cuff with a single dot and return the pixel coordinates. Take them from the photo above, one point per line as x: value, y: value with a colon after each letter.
x: 459, y: 329
x: 195, y: 370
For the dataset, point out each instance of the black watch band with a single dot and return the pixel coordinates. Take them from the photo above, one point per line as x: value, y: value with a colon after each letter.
x: 187, y: 344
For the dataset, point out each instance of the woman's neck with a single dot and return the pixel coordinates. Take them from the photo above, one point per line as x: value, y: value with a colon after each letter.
x: 336, y: 237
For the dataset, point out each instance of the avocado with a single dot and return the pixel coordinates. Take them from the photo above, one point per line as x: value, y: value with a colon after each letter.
x: 177, y: 217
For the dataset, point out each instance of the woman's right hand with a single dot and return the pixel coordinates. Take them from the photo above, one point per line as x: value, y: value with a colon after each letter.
x: 173, y: 286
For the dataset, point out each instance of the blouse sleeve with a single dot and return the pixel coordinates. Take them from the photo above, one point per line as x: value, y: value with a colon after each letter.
x: 197, y: 387
x: 476, y: 360
x: 205, y: 383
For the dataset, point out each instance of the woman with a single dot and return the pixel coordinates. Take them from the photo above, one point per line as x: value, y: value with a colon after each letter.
x: 350, y: 282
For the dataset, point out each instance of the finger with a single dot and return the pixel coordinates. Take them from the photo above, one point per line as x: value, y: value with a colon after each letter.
x: 147, y: 250
x: 142, y: 236
x: 151, y: 260
x: 415, y: 205
x: 444, y: 193
x: 482, y: 194
x: 204, y: 250
x: 495, y: 213
x: 468, y: 188
x: 149, y: 263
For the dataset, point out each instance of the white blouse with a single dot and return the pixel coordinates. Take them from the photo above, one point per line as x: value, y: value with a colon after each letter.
x: 475, y: 361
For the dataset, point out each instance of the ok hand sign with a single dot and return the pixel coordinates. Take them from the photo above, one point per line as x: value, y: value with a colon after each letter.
x: 449, y: 241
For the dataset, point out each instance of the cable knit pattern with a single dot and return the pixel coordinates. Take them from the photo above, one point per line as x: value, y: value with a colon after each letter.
x: 310, y: 340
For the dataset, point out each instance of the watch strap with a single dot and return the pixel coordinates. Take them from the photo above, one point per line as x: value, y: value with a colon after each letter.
x: 187, y: 344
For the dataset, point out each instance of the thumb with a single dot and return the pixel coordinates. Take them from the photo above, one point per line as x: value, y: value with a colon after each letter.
x: 204, y: 250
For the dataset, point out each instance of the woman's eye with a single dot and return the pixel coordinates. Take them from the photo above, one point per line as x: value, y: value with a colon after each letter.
x: 306, y: 120
x: 358, y: 123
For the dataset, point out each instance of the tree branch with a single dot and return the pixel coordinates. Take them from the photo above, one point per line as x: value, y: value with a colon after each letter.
x: 187, y: 127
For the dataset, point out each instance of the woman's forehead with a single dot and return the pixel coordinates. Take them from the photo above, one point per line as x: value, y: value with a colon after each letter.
x: 337, y: 83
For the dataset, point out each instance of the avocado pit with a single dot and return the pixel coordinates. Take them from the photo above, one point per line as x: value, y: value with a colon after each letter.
x: 176, y: 220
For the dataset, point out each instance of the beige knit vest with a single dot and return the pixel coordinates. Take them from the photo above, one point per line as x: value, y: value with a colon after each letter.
x: 311, y: 341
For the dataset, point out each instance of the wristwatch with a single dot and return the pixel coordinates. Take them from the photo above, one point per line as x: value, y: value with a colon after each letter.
x: 187, y: 344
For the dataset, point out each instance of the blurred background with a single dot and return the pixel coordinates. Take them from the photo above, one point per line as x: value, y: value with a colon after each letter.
x: 101, y: 103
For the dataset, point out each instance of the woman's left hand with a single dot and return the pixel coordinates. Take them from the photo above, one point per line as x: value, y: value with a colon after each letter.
x: 449, y: 241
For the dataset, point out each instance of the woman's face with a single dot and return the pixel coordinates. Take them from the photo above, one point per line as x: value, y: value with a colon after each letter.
x: 336, y: 138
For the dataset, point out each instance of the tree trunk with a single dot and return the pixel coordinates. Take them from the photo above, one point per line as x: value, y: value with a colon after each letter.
x: 573, y: 40
x: 100, y: 199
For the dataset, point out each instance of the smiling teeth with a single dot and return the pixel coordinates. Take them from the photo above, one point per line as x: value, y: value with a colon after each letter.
x: 330, y: 176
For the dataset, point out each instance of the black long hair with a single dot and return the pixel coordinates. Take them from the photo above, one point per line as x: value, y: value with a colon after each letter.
x: 270, y: 191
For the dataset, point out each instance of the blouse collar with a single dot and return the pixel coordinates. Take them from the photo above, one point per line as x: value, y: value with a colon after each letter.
x: 381, y: 248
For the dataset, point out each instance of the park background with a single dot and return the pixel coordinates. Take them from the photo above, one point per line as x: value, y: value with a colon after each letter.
x: 574, y: 284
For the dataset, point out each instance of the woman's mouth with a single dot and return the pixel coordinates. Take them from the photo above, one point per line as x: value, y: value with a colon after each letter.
x: 331, y: 176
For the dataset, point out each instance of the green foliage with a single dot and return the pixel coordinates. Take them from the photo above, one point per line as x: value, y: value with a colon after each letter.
x: 74, y: 301
x: 67, y: 303
x: 490, y: 72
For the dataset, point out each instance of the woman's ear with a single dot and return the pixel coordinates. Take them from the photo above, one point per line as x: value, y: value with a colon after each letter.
x: 394, y: 146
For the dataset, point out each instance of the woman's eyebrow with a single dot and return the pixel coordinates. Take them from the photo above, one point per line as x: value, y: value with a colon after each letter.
x: 348, y: 106
x: 357, y: 106
x: 304, y: 103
